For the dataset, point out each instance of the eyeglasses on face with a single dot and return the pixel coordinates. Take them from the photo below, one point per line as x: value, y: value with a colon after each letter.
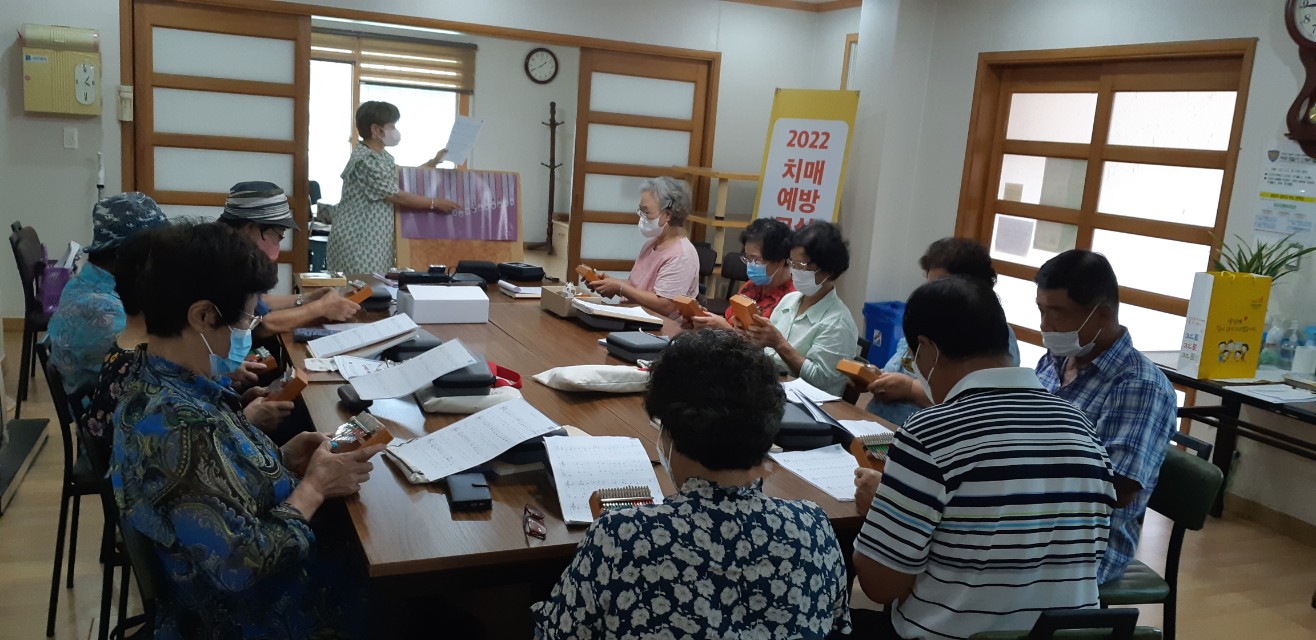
x: 532, y: 522
x: 802, y: 266
x: 752, y: 261
x: 251, y: 324
x: 274, y: 235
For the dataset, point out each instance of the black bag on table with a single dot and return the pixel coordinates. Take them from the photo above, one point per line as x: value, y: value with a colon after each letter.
x: 635, y: 345
x: 488, y: 271
x: 520, y: 272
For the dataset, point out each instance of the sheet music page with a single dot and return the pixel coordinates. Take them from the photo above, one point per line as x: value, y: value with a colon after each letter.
x: 414, y: 374
x: 830, y: 469
x: 474, y: 440
x: 351, y: 367
x: 636, y: 313
x: 582, y: 466
x: 461, y: 141
x: 861, y: 428
x: 811, y: 392
x: 353, y: 339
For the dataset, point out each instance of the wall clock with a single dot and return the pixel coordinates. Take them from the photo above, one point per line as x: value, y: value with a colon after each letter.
x: 1300, y: 16
x: 541, y: 65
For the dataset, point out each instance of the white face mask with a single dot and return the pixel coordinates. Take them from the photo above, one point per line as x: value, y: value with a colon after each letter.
x: 925, y: 382
x: 806, y: 281
x: 1066, y: 343
x: 651, y: 227
x: 392, y: 137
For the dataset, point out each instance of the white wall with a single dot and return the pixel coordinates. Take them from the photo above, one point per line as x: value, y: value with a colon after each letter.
x: 42, y: 183
x: 914, y: 124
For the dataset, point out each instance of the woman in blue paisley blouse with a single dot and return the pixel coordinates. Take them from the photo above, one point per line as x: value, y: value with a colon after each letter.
x: 719, y: 558
x: 228, y: 512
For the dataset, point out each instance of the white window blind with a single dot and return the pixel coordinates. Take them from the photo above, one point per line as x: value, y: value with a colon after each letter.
x: 445, y: 66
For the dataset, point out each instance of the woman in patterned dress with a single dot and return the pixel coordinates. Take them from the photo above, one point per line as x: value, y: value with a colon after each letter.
x: 362, y: 239
x: 719, y: 558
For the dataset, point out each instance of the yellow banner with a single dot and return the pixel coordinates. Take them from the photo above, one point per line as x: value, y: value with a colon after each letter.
x: 806, y: 153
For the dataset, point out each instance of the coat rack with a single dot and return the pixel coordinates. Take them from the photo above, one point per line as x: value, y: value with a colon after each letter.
x: 552, y: 165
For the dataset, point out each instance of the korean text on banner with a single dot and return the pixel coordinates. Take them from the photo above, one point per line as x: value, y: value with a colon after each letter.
x: 804, y: 160
x: 1222, y: 334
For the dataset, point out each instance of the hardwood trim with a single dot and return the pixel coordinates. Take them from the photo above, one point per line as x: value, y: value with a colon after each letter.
x: 850, y: 38
x: 127, y: 130
x: 1198, y: 158
x: 1153, y: 228
x: 1096, y: 150
x: 190, y: 198
x: 1212, y: 81
x: 1124, y: 52
x: 1128, y: 295
x: 574, y: 226
x: 808, y: 7
x: 1235, y: 143
x: 227, y: 143
x: 300, y: 197
x: 1070, y: 150
x: 837, y: 5
x: 224, y: 85
x: 983, y: 121
x: 646, y: 122
x: 143, y: 97
x: 608, y: 217
x: 619, y: 169
x: 527, y: 35
x: 1035, y: 211
x: 195, y: 16
x: 1027, y: 334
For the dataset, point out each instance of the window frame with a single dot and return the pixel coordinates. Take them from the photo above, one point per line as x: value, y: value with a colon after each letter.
x: 1222, y: 65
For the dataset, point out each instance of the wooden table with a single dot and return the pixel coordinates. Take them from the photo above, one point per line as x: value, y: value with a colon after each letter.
x: 408, y: 530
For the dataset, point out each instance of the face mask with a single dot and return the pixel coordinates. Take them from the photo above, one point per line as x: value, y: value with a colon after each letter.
x: 239, y: 345
x: 1066, y: 343
x: 392, y: 137
x: 804, y: 282
x: 925, y: 382
x: 664, y: 456
x: 758, y: 274
x: 651, y: 228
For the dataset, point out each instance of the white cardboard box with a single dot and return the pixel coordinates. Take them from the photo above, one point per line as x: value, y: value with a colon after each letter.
x: 437, y: 304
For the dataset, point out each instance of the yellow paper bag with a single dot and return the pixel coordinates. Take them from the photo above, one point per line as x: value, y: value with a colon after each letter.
x: 1226, y: 316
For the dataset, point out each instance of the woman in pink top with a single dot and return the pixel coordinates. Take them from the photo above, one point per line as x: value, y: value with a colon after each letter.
x: 668, y: 264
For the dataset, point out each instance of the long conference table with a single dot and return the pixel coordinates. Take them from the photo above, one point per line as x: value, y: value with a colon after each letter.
x: 411, y: 540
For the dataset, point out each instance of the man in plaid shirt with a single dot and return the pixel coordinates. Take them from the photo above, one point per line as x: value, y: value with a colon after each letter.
x: 1091, y: 362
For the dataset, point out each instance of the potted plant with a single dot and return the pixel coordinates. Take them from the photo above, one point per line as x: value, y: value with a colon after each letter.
x: 1275, y: 259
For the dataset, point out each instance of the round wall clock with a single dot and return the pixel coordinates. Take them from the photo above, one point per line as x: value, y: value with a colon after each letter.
x: 1300, y: 17
x: 541, y: 65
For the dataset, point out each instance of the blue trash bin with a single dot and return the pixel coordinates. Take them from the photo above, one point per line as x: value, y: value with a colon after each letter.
x: 882, y: 325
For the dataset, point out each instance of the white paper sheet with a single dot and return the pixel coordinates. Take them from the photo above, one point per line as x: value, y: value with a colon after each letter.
x: 861, y: 428
x: 582, y: 466
x: 518, y: 291
x: 1281, y: 393
x: 630, y: 313
x: 363, y: 336
x: 320, y: 364
x: 471, y: 441
x: 462, y: 139
x: 811, y: 392
x: 830, y: 469
x: 351, y: 367
x: 418, y: 372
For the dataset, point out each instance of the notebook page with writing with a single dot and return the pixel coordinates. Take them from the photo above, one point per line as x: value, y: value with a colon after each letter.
x: 582, y: 466
x: 363, y: 336
x: 471, y: 441
x: 829, y: 469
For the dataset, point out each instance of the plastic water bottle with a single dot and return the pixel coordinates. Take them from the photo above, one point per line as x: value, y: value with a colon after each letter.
x: 1288, y: 345
x: 1270, y: 345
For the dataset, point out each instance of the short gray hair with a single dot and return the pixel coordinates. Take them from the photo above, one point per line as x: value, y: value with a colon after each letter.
x: 672, y: 195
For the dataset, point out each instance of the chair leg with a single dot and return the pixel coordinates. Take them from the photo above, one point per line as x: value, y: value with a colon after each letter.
x: 59, y: 562
x: 1170, y: 614
x: 73, y: 538
x: 25, y: 364
x: 107, y: 596
x: 125, y: 572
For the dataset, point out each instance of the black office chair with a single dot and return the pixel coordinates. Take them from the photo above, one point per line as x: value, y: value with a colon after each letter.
x: 80, y: 479
x: 1083, y: 624
x: 733, y: 271
x: 1184, y: 493
x: 1199, y: 448
x: 29, y: 256
x: 707, y: 262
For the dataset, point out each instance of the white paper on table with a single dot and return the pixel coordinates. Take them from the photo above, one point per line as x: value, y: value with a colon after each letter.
x: 635, y: 313
x: 345, y: 326
x: 830, y: 469
x: 352, y: 367
x: 1276, y: 393
x: 861, y: 428
x: 363, y: 336
x: 320, y: 364
x: 471, y: 441
x: 462, y: 138
x: 582, y: 466
x: 535, y: 292
x: 414, y: 374
x: 1264, y: 374
x: 811, y: 392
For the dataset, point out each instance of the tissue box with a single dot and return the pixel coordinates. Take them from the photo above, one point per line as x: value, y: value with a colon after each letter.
x: 437, y: 304
x: 555, y: 302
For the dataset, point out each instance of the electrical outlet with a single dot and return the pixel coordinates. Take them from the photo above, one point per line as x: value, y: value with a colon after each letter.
x: 70, y: 137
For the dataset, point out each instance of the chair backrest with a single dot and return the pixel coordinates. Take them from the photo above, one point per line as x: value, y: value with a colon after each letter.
x: 28, y: 255
x: 1186, y: 489
x: 1200, y: 448
x: 1084, y: 624
x: 151, y: 581
x: 707, y: 259
x: 733, y: 269
x: 63, y: 412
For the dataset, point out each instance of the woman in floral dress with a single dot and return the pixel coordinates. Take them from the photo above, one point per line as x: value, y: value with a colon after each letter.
x: 362, y: 240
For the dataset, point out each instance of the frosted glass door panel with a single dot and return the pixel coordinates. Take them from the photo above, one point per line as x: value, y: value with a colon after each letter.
x: 1152, y: 330
x: 223, y: 114
x: 1057, y: 182
x: 207, y: 171
x: 284, y: 286
x: 637, y: 96
x: 332, y: 136
x: 1028, y: 241
x: 1186, y: 195
x: 175, y: 211
x: 219, y: 55
x: 1174, y: 119
x: 1019, y: 300
x: 1152, y: 264
x: 633, y: 145
x: 1030, y: 354
x: 612, y: 193
x: 1052, y: 117
x: 602, y: 241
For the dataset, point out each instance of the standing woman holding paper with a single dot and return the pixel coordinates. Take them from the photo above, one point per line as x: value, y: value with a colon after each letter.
x: 362, y: 240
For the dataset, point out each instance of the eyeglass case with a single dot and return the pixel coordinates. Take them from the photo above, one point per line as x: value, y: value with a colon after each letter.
x: 635, y: 345
x: 475, y: 380
x: 800, y: 432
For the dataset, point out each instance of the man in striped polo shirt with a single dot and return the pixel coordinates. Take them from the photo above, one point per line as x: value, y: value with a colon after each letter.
x: 995, y: 503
